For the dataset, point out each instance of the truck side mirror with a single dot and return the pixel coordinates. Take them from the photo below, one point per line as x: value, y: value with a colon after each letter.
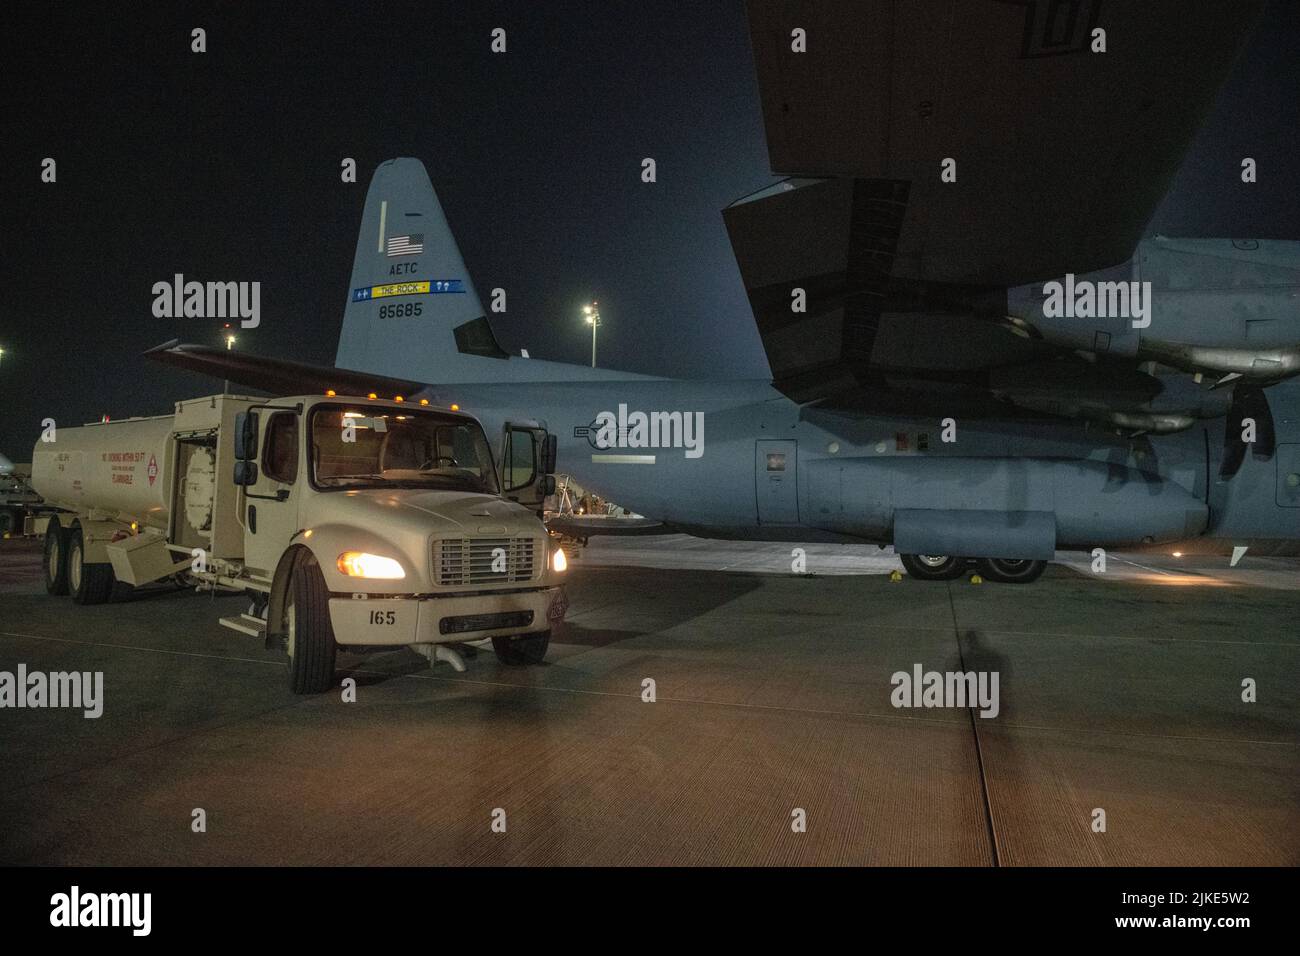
x: 245, y: 473
x: 549, y: 455
x: 246, y: 439
x: 548, y: 485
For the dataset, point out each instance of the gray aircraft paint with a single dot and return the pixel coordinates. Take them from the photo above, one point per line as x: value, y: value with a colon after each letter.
x: 401, y: 201
x: 1217, y: 303
x: 1102, y: 489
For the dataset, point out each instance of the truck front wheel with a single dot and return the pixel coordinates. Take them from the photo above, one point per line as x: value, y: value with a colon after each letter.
x: 88, y: 583
x: 520, y: 649
x: 309, y: 631
x: 56, y: 559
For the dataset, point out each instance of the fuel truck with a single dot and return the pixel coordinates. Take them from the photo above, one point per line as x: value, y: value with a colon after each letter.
x: 354, y: 522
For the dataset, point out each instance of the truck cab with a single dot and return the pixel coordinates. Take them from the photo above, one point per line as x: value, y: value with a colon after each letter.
x: 353, y: 522
x: 391, y: 517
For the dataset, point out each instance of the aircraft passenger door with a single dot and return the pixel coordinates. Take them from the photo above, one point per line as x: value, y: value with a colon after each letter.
x: 271, y: 509
x: 528, y: 464
x: 775, y: 483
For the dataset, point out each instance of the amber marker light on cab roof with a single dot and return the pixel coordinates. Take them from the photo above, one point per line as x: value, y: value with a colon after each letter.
x: 372, y: 395
x: 330, y: 393
x: 455, y: 408
x: 424, y: 401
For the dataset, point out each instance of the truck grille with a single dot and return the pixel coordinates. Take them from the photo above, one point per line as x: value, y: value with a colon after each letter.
x: 459, y: 561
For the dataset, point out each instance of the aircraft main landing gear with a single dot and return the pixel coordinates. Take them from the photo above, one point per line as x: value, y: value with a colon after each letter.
x: 933, y: 567
x: 945, y: 567
x: 1011, y: 570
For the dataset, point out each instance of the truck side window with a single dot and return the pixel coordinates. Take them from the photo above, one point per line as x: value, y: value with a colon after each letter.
x: 521, y: 467
x: 280, y: 453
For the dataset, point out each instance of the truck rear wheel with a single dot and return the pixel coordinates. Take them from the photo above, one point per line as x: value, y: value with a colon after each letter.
x: 56, y: 559
x: 521, y: 649
x: 309, y: 631
x: 88, y: 583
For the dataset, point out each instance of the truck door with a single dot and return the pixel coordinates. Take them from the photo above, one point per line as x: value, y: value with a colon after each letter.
x: 271, y: 505
x: 774, y: 482
x: 528, y: 464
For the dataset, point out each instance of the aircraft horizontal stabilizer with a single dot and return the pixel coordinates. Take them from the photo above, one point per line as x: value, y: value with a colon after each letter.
x: 278, y: 376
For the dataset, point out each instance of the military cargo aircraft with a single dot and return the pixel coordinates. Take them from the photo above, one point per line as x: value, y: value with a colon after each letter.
x: 975, y: 355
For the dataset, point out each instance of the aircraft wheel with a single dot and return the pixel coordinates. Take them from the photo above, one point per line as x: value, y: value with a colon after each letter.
x: 1011, y: 570
x: 88, y: 583
x: 932, y: 567
x: 56, y: 559
x: 520, y: 649
x: 310, y: 633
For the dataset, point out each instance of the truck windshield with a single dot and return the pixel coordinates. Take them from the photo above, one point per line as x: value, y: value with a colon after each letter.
x: 383, y: 448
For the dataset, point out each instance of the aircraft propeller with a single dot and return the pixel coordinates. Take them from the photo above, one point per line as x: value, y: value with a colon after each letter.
x: 1248, y: 402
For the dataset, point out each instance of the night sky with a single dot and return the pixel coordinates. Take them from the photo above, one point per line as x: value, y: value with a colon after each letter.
x: 225, y: 166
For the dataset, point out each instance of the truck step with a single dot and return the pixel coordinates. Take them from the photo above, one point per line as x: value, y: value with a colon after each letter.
x: 245, y: 624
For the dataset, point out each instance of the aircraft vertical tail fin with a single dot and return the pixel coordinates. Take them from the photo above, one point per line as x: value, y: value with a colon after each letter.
x: 412, y: 310
x: 412, y: 315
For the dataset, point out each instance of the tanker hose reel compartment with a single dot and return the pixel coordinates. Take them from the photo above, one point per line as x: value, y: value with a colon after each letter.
x: 200, y: 488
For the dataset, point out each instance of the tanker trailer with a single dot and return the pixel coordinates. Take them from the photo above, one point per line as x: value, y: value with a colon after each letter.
x: 106, y: 479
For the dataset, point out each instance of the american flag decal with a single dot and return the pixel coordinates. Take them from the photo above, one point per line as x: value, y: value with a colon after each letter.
x: 411, y: 245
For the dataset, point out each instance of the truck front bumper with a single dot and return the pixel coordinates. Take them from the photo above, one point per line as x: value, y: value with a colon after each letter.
x: 445, y: 620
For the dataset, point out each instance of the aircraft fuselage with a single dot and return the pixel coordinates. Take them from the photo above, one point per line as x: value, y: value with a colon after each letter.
x: 763, y: 467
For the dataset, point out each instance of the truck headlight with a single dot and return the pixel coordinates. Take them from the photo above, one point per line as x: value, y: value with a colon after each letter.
x: 361, y: 564
x: 558, y: 561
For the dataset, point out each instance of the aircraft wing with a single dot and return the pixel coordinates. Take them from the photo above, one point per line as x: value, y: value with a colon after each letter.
x: 1059, y: 153
x: 277, y: 376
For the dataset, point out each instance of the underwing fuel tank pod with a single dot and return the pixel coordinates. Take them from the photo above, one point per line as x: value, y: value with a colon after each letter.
x: 1014, y: 508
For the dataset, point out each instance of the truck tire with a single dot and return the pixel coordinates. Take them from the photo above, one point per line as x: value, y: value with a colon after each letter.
x: 521, y: 649
x: 55, y: 559
x: 1007, y: 571
x: 308, y: 629
x: 88, y: 583
x: 932, y: 567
